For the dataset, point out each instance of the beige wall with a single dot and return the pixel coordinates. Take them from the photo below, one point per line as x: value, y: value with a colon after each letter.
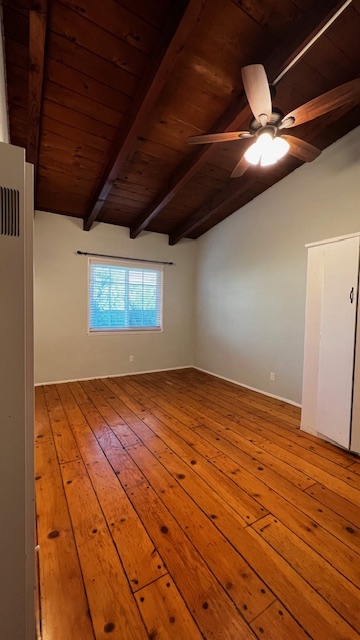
x: 63, y: 350
x: 251, y: 271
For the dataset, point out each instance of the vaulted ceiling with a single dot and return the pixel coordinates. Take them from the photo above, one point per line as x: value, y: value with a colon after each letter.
x: 103, y: 95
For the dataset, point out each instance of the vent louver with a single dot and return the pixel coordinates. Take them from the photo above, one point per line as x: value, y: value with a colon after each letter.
x: 9, y: 212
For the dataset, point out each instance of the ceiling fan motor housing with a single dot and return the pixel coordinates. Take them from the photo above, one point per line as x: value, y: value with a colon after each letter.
x: 272, y: 125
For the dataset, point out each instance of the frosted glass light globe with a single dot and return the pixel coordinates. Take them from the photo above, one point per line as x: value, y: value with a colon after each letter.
x: 253, y: 154
x: 266, y: 150
x: 280, y: 147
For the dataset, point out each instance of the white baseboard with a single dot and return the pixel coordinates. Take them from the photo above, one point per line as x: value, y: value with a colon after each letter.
x: 189, y: 366
x: 246, y: 386
x: 113, y: 375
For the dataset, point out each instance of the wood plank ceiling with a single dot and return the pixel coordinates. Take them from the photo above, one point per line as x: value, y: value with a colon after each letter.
x: 103, y: 96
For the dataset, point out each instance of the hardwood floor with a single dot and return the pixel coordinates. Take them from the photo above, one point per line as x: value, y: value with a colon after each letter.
x: 178, y: 506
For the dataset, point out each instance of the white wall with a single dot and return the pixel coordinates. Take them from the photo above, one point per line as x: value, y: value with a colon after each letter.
x: 63, y: 350
x: 251, y: 271
x: 4, y: 133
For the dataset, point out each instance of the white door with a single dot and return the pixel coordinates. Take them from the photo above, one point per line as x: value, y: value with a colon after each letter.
x: 337, y: 339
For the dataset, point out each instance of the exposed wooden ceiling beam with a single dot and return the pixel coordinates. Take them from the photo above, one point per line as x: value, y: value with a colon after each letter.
x: 37, y: 42
x: 184, y: 17
x: 224, y: 197
x: 297, y: 38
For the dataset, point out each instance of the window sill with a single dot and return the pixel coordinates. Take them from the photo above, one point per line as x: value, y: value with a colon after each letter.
x: 120, y: 332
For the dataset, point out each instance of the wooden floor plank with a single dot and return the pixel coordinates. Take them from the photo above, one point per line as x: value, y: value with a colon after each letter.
x: 247, y: 591
x: 355, y: 467
x: 205, y: 404
x: 151, y: 418
x: 165, y: 613
x: 291, y: 441
x: 272, y: 424
x: 160, y: 394
x: 274, y: 430
x: 275, y: 623
x: 248, y: 508
x: 78, y: 392
x: 344, y: 508
x: 122, y: 431
x: 111, y: 603
x: 42, y: 427
x: 343, y: 481
x: 258, y: 451
x: 84, y: 436
x: 208, y: 416
x: 142, y: 562
x: 137, y: 425
x: 310, y: 464
x: 324, y: 543
x: 235, y: 392
x: 61, y: 582
x: 332, y: 586
x: 124, y: 467
x: 314, y: 614
x: 127, y: 472
x: 178, y: 505
x: 103, y: 407
x: 140, y: 559
x: 212, y: 504
x: 137, y: 393
x: 239, y: 404
x: 99, y: 425
x: 208, y: 602
x: 65, y: 444
x: 335, y: 524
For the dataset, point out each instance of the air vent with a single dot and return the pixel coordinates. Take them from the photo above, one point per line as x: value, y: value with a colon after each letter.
x: 9, y: 212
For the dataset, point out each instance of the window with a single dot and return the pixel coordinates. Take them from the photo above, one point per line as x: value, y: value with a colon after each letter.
x: 124, y: 297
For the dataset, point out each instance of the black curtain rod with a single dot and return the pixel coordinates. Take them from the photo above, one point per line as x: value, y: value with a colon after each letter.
x: 102, y: 255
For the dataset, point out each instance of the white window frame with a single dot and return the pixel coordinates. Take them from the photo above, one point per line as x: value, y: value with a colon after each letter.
x: 128, y: 264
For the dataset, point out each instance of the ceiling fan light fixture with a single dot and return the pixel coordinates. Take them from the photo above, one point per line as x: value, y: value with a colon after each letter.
x: 252, y: 155
x: 268, y: 157
x: 267, y: 150
x: 255, y: 151
x: 280, y: 147
x: 267, y: 122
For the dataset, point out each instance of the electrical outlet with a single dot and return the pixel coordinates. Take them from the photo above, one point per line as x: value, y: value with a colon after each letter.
x: 272, y: 376
x: 131, y: 359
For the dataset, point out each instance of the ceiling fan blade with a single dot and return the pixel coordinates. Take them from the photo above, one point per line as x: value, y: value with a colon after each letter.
x: 209, y: 138
x: 301, y: 149
x: 257, y: 91
x: 240, y: 168
x: 348, y: 93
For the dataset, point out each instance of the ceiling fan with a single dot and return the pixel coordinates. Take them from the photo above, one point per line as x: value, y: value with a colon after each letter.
x: 268, y: 123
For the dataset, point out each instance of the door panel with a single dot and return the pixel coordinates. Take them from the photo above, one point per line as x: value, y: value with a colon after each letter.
x: 336, y: 362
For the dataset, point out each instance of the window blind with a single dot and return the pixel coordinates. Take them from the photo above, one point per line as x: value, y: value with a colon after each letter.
x: 124, y: 296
